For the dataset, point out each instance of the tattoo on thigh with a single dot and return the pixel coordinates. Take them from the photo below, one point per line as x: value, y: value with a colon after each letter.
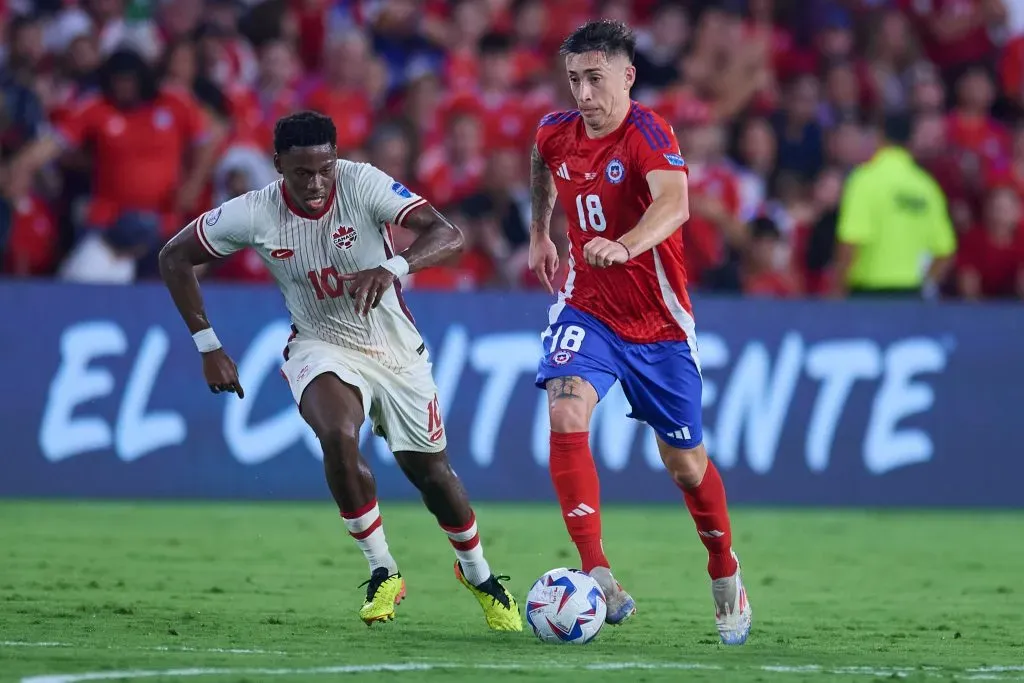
x: 564, y: 387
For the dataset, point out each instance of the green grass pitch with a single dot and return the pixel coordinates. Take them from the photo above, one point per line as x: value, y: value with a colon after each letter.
x: 268, y: 592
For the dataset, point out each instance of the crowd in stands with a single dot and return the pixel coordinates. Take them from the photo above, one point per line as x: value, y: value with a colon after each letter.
x: 122, y: 120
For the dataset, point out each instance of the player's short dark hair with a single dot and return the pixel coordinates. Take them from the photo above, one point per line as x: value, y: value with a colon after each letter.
x: 763, y: 226
x: 304, y: 129
x: 601, y: 35
x: 125, y: 61
x: 898, y: 128
x: 495, y: 44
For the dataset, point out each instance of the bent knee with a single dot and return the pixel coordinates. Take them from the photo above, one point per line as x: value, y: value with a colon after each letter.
x: 339, y: 440
x: 426, y: 470
x: 686, y: 467
x: 569, y: 415
x: 571, y: 402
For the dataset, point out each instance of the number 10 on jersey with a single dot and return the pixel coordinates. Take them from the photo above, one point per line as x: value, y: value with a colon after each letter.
x: 590, y: 213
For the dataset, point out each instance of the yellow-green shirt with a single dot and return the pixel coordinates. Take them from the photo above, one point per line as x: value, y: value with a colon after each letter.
x: 894, y: 212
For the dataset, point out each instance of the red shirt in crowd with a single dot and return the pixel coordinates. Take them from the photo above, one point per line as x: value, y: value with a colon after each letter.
x: 973, y: 46
x: 702, y: 239
x: 31, y: 247
x: 770, y: 283
x: 997, y: 265
x: 983, y: 139
x: 473, y: 270
x: 350, y: 110
x: 134, y: 151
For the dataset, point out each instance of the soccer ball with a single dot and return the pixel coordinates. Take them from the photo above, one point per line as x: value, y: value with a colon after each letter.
x: 566, y: 606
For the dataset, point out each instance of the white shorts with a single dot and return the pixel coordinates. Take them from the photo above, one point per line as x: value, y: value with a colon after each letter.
x: 402, y: 405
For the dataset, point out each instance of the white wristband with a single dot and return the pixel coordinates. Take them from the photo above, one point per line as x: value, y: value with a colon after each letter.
x: 206, y: 340
x: 397, y: 265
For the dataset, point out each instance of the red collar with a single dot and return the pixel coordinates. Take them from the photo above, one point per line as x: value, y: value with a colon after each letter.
x: 302, y: 213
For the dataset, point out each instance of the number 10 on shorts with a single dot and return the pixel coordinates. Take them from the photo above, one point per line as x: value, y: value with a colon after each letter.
x: 568, y: 338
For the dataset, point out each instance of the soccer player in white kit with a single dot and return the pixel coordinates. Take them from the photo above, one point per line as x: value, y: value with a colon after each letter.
x: 323, y: 231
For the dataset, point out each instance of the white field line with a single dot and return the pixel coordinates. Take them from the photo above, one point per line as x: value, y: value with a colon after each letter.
x: 160, y: 648
x: 986, y: 673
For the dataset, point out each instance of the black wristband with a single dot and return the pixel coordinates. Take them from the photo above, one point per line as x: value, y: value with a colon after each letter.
x: 629, y: 255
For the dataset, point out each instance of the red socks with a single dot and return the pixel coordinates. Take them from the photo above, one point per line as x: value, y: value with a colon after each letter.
x: 575, y: 478
x: 707, y: 506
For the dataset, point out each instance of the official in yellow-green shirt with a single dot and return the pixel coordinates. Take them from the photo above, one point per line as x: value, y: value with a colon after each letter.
x: 894, y: 235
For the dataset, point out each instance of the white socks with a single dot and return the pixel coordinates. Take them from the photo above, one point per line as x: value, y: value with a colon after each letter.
x: 367, y: 528
x: 470, y: 551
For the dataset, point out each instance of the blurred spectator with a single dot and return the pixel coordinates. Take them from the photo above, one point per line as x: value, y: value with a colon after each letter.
x: 893, y: 215
x: 141, y: 136
x: 111, y: 256
x: 714, y: 226
x: 974, y: 135
x: 765, y: 267
x: 342, y: 93
x: 955, y: 33
x: 762, y: 268
x: 660, y: 48
x: 991, y: 258
x: 452, y: 171
x: 891, y: 55
x: 931, y: 150
x: 755, y: 154
x: 276, y: 87
x: 800, y: 135
x: 470, y: 22
x: 502, y: 210
x: 814, y: 238
x: 31, y: 241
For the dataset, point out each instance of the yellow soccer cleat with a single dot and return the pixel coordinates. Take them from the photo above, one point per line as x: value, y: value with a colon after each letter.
x: 383, y: 592
x: 500, y: 608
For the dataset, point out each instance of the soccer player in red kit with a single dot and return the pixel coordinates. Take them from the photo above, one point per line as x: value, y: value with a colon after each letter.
x: 623, y: 313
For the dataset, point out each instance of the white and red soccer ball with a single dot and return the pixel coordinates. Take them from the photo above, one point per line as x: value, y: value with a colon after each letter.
x: 566, y: 606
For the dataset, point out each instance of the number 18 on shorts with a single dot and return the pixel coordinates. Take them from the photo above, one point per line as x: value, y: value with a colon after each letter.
x: 661, y: 381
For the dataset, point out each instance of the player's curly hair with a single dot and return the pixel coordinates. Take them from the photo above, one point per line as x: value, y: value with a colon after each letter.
x: 601, y: 35
x: 304, y: 129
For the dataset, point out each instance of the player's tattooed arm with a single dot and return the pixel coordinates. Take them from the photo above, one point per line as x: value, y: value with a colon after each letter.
x: 542, y: 193
x: 437, y: 239
x: 543, y: 256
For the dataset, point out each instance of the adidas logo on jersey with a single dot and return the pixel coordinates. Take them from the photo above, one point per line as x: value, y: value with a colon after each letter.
x: 581, y: 510
x: 563, y: 171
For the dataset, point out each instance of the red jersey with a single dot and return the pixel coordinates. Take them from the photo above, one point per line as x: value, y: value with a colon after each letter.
x: 602, y: 185
x: 138, y: 153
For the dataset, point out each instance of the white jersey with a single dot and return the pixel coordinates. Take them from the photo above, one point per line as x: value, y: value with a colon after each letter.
x: 307, y: 254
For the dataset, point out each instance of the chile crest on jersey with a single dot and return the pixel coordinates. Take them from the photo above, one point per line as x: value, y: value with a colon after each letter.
x: 615, y: 171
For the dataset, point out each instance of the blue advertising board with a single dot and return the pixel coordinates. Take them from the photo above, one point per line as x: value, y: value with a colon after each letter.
x: 854, y: 403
